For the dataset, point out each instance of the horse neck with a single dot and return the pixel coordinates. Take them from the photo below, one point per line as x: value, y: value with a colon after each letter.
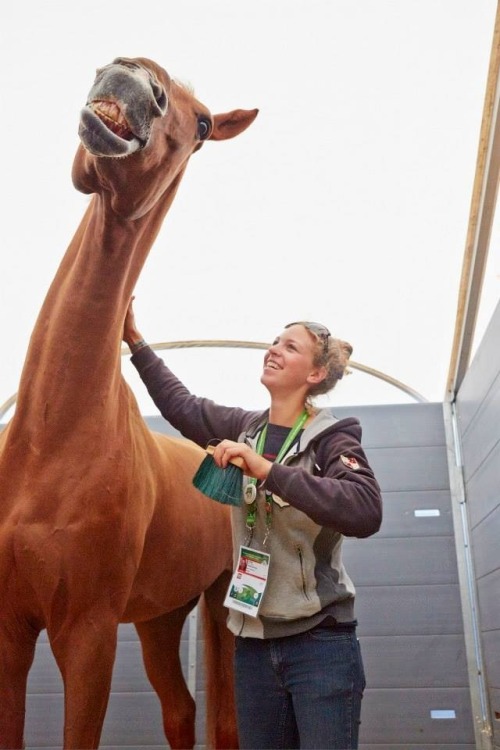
x: 72, y: 368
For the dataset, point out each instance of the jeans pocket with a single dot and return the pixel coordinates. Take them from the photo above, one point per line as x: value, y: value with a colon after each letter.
x: 327, y: 633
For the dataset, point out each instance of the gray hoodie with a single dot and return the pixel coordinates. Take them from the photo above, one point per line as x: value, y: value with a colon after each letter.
x: 323, y: 490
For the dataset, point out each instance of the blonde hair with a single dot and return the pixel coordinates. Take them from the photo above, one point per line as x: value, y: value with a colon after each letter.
x: 332, y: 354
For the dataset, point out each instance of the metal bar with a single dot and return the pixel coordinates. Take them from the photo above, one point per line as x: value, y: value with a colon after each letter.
x: 4, y: 408
x: 467, y: 584
x: 222, y: 343
x: 235, y: 344
x: 192, y: 651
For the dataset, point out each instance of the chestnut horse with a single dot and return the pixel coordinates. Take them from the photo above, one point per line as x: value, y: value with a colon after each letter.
x: 99, y: 521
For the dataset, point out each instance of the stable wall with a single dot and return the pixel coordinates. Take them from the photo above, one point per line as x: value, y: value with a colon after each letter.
x: 478, y: 415
x: 408, y: 607
x: 408, y: 598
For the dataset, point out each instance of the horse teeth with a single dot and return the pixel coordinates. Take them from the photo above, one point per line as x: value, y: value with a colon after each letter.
x: 111, y: 115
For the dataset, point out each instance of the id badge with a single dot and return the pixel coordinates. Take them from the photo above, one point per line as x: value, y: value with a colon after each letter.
x: 248, y: 582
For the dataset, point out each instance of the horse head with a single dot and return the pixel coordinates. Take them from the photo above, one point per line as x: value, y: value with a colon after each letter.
x: 138, y: 130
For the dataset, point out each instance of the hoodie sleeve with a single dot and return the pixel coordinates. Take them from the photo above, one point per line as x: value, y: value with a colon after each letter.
x: 198, y: 419
x: 344, y: 495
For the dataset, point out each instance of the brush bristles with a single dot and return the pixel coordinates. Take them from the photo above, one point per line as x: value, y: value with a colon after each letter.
x: 223, y: 485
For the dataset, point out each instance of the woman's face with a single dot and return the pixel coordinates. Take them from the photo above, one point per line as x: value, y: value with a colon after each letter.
x: 289, y: 362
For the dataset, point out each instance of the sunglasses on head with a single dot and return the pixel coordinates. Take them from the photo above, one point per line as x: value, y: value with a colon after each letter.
x: 318, y: 329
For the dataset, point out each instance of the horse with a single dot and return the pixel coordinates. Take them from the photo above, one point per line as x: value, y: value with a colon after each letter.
x: 100, y: 523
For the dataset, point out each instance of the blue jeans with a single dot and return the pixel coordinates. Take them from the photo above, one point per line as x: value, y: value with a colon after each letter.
x: 302, y: 691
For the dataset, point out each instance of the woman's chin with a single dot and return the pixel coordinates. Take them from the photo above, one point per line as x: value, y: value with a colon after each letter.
x: 266, y: 379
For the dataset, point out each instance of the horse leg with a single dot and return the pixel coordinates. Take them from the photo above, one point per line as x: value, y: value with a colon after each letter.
x: 219, y: 661
x: 85, y: 653
x: 17, y: 649
x: 160, y: 640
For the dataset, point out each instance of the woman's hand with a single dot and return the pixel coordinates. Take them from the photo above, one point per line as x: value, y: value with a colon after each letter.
x: 130, y: 334
x: 255, y: 465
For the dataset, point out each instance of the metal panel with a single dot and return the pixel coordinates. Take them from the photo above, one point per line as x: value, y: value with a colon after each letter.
x: 429, y: 661
x: 402, y: 425
x: 420, y: 560
x: 488, y: 589
x: 486, y: 545
x: 410, y: 469
x: 133, y: 719
x: 495, y: 709
x: 409, y: 610
x: 419, y: 746
x: 491, y: 644
x: 410, y: 710
x: 46, y: 714
x: 44, y: 676
x: 478, y: 408
x: 158, y: 424
x: 482, y: 436
x: 129, y: 674
x: 409, y: 514
x: 481, y: 375
x: 483, y: 495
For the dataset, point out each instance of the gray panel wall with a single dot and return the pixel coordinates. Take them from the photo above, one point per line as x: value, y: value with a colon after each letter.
x: 408, y: 602
x: 478, y: 411
x: 408, y: 607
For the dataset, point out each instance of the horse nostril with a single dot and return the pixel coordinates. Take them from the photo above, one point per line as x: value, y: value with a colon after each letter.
x: 161, y: 98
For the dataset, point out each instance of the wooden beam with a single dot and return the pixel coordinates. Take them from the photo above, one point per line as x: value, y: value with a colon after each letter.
x: 482, y: 212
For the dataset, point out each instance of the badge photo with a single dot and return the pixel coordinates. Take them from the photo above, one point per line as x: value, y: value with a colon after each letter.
x: 250, y: 493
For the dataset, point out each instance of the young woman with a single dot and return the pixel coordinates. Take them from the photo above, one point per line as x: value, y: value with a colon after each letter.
x: 299, y: 673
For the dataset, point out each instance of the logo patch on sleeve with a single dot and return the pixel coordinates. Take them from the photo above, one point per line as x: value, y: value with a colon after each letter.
x: 350, y: 462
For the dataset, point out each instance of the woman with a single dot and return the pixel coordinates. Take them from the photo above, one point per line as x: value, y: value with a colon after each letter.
x: 298, y: 668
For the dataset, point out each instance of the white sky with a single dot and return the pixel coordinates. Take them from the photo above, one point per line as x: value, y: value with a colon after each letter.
x: 347, y: 200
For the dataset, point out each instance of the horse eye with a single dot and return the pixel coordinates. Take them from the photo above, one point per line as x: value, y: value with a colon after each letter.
x: 204, y: 127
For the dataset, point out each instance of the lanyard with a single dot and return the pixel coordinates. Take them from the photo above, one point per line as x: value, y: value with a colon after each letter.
x: 251, y: 488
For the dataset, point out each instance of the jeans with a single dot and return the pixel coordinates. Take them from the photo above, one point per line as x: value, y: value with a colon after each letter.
x: 302, y: 691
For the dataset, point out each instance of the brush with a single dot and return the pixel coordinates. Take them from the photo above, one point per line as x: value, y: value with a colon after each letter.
x: 223, y: 485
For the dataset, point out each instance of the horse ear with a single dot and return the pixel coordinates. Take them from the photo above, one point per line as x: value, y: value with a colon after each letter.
x: 230, y: 124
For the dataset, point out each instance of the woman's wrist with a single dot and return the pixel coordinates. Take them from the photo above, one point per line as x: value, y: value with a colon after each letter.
x: 136, y: 345
x: 264, y: 471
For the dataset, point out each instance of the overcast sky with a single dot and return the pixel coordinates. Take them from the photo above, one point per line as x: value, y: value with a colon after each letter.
x: 346, y: 201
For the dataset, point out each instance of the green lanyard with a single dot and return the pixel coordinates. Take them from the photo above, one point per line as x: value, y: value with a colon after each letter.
x: 251, y: 488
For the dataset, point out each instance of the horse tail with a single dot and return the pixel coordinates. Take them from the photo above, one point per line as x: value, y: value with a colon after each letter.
x: 221, y: 731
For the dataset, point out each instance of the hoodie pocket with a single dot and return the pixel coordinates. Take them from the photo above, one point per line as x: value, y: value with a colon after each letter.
x: 303, y: 577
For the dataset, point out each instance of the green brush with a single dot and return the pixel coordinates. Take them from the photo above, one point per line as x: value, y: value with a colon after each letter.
x: 223, y: 485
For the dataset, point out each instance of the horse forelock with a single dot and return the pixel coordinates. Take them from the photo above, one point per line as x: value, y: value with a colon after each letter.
x: 185, y: 85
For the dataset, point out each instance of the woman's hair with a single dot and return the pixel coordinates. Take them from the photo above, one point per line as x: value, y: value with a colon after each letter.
x: 333, y: 354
